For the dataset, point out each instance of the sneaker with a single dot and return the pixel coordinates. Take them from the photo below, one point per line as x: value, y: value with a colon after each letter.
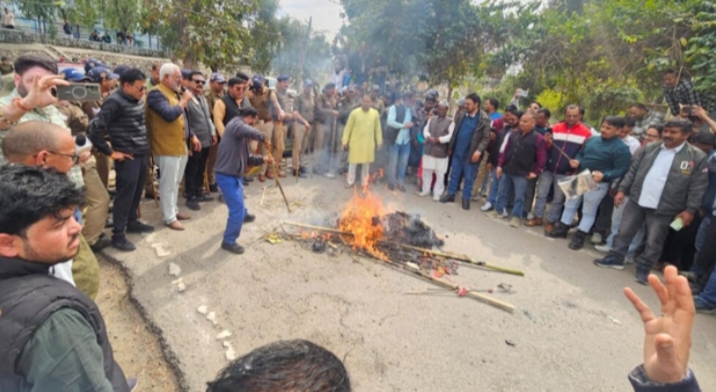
x: 696, y: 288
x: 603, y: 248
x: 703, y: 306
x: 530, y: 216
x: 642, y: 276
x: 577, y: 242
x: 204, y: 199
x: 560, y: 231
x: 436, y: 199
x: 597, y: 238
x: 573, y: 230
x: 493, y: 215
x: 193, y: 204
x: 609, y: 262
x: 629, y: 260
x: 248, y: 218
x: 422, y: 193
x: 233, y: 248
x: 515, y: 222
x: 690, y: 276
x: 139, y: 227
x: 330, y: 175
x: 486, y: 207
x: 123, y: 245
x: 100, y: 244
x: 447, y: 199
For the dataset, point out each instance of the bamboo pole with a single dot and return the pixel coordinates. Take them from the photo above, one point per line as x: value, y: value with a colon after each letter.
x: 317, y: 228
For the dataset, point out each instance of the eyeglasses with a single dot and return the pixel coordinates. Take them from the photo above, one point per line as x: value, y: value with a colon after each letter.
x: 75, y: 158
x: 140, y: 88
x: 199, y: 81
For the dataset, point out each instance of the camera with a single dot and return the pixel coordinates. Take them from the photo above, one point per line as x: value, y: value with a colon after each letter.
x: 79, y: 92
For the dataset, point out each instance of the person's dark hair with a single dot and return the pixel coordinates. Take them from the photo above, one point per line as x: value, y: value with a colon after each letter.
x: 295, y: 365
x: 513, y: 110
x: 242, y: 76
x: 639, y: 106
x: 528, y: 114
x: 4, y: 58
x: 669, y: 72
x: 29, y: 138
x: 248, y: 112
x: 234, y: 81
x: 408, y: 95
x: 545, y: 111
x: 685, y: 126
x: 193, y: 73
x: 29, y: 194
x: 494, y: 102
x: 659, y: 128
x: 582, y: 110
x: 571, y: 107
x: 629, y: 122
x: 25, y: 62
x: 706, y: 138
x: 538, y: 104
x: 132, y: 76
x: 615, y: 121
x: 474, y: 98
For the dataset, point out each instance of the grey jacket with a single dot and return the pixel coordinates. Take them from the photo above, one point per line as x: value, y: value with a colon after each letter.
x: 685, y: 185
x: 199, y: 117
x: 480, y: 137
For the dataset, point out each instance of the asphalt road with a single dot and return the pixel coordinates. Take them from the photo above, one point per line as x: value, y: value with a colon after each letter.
x: 572, y: 329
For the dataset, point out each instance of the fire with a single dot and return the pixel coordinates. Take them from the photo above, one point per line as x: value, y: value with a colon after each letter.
x: 362, y: 217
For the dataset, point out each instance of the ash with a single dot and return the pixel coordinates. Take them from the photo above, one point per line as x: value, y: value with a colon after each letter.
x: 409, y: 229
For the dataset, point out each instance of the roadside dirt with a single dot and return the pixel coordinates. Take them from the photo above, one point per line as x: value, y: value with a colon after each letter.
x: 136, y: 347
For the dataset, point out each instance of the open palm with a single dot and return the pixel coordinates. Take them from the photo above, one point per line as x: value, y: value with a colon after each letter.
x: 668, y: 337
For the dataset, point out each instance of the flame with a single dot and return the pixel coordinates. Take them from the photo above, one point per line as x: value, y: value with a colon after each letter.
x: 362, y: 217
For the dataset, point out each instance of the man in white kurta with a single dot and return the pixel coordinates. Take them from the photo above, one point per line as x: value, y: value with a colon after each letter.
x: 437, y: 132
x: 362, y: 136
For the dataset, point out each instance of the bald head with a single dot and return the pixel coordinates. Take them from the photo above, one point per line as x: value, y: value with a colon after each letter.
x: 38, y: 143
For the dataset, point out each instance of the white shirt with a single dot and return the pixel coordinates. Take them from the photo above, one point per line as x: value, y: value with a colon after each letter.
x: 632, y: 143
x: 63, y: 271
x: 8, y: 19
x: 655, y: 179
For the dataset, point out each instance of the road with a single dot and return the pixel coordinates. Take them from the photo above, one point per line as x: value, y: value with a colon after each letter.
x: 572, y: 329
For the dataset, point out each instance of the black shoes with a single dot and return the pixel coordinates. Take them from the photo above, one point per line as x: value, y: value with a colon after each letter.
x: 248, y: 218
x: 577, y: 242
x: 447, y: 199
x: 139, y: 228
x: 213, y: 188
x: 193, y: 204
x: 401, y: 188
x: 246, y: 181
x: 465, y: 204
x: 233, y: 248
x: 123, y: 245
x: 560, y: 231
x: 203, y: 198
x: 100, y: 244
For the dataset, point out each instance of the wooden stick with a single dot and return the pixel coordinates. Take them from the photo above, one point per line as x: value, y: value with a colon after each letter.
x: 317, y: 228
x: 261, y: 204
x: 564, y: 154
x: 458, y: 257
x: 276, y: 170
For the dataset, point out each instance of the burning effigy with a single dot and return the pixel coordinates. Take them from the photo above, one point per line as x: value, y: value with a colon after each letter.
x: 399, y: 240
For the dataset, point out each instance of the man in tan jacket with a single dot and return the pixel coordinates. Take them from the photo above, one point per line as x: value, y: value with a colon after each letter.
x: 168, y: 136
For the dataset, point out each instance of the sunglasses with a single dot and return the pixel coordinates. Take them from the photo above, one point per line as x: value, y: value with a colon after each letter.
x: 199, y: 81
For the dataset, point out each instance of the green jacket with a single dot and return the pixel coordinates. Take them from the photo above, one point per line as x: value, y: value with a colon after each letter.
x: 685, y: 185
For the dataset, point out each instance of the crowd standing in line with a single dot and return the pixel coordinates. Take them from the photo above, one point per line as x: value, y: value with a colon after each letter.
x: 651, y: 182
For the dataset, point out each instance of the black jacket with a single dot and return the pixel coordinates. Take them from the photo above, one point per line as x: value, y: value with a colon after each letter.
x: 480, y: 137
x: 122, y: 118
x: 28, y: 297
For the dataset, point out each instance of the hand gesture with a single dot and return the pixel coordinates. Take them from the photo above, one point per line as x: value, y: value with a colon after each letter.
x: 40, y: 94
x: 489, y: 167
x: 187, y: 96
x: 195, y: 144
x: 214, y: 140
x: 308, y: 127
x: 699, y: 112
x: 574, y: 164
x: 475, y: 157
x: 668, y: 337
x: 597, y: 176
x: 408, y: 125
x: 493, y: 136
x: 498, y: 173
x: 531, y: 176
x: 619, y: 199
x: 344, y: 147
x: 686, y: 217
x: 120, y: 156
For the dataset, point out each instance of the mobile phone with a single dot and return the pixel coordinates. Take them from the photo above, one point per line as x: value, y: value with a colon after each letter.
x: 688, y: 109
x: 79, y: 92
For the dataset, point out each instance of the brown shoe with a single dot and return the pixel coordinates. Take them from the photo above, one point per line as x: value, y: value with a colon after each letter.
x: 181, y: 216
x: 548, y: 228
x: 176, y: 226
x: 534, y: 222
x: 262, y: 177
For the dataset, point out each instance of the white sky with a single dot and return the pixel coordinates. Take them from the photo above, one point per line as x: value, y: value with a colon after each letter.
x: 325, y: 13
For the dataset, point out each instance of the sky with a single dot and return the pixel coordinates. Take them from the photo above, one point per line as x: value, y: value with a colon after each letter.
x: 325, y: 13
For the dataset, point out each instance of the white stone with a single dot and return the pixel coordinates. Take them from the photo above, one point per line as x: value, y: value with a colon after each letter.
x: 202, y: 309
x: 211, y: 317
x: 223, y: 335
x: 174, y: 269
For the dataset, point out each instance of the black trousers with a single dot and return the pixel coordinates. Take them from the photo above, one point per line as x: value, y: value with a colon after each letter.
x: 706, y: 258
x: 603, y: 223
x: 194, y: 173
x: 131, y: 176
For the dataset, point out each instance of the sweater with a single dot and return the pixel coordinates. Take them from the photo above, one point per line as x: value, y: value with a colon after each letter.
x: 524, y: 154
x: 608, y: 156
x: 233, y: 156
x: 122, y: 118
x: 569, y: 140
x: 166, y: 124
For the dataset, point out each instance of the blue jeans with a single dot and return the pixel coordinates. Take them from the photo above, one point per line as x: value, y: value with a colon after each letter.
x: 709, y: 292
x: 547, y: 182
x: 589, y: 209
x: 398, y: 163
x: 232, y: 188
x: 494, y: 187
x: 617, y: 217
x: 468, y: 171
x: 509, y: 184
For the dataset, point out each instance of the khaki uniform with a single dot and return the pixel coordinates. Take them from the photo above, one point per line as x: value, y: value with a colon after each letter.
x: 267, y: 104
x: 305, y: 106
x: 211, y: 98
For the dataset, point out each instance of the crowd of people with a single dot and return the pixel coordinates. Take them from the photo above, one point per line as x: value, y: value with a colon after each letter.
x: 652, y: 189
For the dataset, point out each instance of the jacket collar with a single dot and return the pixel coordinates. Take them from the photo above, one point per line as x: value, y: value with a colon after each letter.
x: 16, y: 267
